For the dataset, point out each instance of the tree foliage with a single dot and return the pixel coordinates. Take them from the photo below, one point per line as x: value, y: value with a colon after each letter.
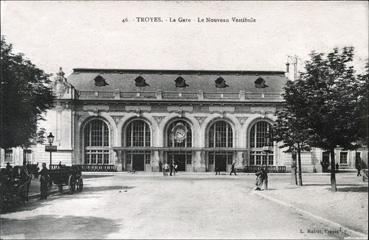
x: 289, y: 127
x: 25, y: 94
x: 324, y: 108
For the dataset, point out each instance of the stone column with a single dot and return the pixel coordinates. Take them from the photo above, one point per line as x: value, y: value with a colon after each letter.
x: 155, y: 162
x: 239, y: 160
x: 118, y: 160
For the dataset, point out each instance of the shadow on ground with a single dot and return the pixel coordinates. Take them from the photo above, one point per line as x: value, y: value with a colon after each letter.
x: 58, y: 227
x: 352, y: 189
x: 95, y: 176
x: 88, y: 192
x: 328, y: 184
x: 106, y: 188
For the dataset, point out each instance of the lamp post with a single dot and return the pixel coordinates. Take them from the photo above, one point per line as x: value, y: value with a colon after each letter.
x: 50, y: 139
x: 266, y: 150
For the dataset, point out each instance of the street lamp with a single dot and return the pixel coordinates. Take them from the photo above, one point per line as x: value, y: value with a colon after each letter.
x: 50, y: 139
x: 266, y: 150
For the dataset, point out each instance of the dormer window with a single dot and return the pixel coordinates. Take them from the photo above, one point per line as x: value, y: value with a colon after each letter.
x: 220, y: 83
x: 260, y: 83
x: 100, y: 81
x: 141, y: 82
x: 180, y: 82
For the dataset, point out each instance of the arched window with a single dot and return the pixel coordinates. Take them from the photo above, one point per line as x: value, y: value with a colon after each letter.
x: 259, y: 135
x: 220, y: 135
x: 138, y: 134
x: 96, y: 142
x: 179, y: 134
x: 261, y: 144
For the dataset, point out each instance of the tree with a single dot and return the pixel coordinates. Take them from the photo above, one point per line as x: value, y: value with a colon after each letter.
x: 25, y: 94
x: 331, y: 92
x: 290, y: 126
x: 363, y: 134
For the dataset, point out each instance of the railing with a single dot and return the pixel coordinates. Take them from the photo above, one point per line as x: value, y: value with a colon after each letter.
x: 177, y: 95
x: 271, y: 169
x: 97, y: 168
x: 225, y: 95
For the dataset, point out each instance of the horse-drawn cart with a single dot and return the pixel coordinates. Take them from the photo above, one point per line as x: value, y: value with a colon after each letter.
x: 67, y: 176
x: 14, y: 187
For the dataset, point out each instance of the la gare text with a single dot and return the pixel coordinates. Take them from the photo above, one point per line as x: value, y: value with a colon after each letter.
x: 188, y: 20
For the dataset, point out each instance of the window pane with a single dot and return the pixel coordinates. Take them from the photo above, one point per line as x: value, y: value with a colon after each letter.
x: 343, y: 158
x: 220, y: 135
x: 138, y: 134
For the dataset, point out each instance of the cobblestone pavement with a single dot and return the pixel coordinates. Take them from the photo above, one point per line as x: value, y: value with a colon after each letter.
x: 153, y: 206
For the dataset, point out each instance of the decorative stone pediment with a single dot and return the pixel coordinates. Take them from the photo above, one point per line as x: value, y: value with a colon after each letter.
x: 117, y: 118
x: 200, y: 119
x: 242, y: 120
x: 158, y: 119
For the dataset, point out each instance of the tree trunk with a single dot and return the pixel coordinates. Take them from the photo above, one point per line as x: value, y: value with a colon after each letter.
x: 333, y: 172
x: 299, y: 162
x: 294, y: 169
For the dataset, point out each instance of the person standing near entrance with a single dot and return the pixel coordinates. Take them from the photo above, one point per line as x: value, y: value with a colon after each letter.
x: 233, y: 169
x: 217, y: 170
x: 160, y: 166
x: 165, y: 170
x: 44, y: 180
x: 171, y: 167
x: 358, y: 166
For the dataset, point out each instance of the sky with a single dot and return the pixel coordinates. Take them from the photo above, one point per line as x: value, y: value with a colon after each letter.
x: 92, y: 34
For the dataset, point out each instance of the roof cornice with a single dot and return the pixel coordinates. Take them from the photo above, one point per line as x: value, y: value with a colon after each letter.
x: 163, y: 71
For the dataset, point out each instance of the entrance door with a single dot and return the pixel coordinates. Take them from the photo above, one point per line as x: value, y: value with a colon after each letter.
x: 180, y: 160
x: 138, y: 162
x: 221, y: 162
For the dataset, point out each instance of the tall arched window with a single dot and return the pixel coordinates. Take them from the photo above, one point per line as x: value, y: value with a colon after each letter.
x: 179, y: 134
x: 96, y: 142
x: 261, y: 142
x: 220, y: 135
x: 138, y: 134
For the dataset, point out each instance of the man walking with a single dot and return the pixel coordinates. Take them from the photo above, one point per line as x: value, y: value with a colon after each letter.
x: 44, y: 180
x: 358, y: 166
x: 233, y: 169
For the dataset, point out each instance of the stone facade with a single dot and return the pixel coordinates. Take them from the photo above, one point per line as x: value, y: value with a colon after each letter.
x: 214, y: 119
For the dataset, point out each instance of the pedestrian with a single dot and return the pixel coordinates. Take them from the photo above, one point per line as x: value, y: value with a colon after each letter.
x: 259, y: 179
x: 358, y: 166
x: 165, y: 170
x: 175, y: 168
x: 9, y: 169
x: 44, y: 180
x: 233, y: 169
x: 217, y: 170
x: 337, y: 167
x: 265, y: 177
x: 160, y: 166
x: 171, y: 168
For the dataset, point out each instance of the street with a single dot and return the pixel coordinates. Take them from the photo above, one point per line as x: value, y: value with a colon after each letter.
x: 153, y: 206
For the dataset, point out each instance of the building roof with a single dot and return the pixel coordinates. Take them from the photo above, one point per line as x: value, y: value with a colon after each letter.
x: 84, y: 79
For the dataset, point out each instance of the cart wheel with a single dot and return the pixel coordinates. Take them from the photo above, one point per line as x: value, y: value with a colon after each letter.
x: 60, y: 188
x: 80, y: 184
x: 71, y: 184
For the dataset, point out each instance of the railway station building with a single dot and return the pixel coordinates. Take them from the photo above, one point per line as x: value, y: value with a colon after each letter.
x: 139, y: 119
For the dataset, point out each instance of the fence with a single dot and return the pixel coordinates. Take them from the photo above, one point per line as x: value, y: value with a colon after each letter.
x: 91, y: 167
x: 271, y: 169
x: 97, y: 168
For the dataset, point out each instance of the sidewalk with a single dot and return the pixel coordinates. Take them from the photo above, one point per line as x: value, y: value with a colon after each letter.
x: 348, y: 207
